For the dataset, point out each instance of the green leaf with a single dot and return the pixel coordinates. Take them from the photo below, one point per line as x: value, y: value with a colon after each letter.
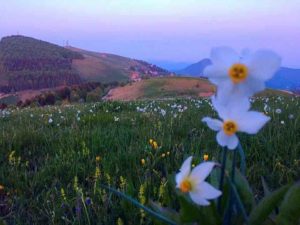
x: 191, y: 213
x: 290, y: 207
x: 245, y: 191
x: 167, y: 212
x: 261, y: 212
x: 265, y: 187
x: 138, y: 204
x: 2, y: 222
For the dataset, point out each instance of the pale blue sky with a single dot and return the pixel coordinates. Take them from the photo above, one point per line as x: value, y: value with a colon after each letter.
x: 171, y: 30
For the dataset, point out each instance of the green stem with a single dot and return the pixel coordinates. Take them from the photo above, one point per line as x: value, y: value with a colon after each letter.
x: 136, y: 203
x: 233, y: 166
x: 224, y: 158
x: 85, y: 209
x: 238, y: 201
x: 228, y: 215
x: 243, y: 159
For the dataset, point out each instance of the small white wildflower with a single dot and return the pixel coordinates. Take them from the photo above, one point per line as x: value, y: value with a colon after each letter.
x: 193, y: 182
x: 235, y: 117
x: 163, y: 112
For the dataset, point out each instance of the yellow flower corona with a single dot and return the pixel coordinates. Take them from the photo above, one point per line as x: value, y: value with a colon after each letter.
x: 238, y: 72
x: 230, y: 127
x: 185, y: 186
x: 205, y: 157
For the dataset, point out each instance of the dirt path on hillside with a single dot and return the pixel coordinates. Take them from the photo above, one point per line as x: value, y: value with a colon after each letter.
x: 126, y: 93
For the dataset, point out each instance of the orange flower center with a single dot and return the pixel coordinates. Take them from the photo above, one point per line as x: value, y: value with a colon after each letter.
x: 185, y: 186
x: 230, y: 127
x: 205, y: 157
x: 238, y: 73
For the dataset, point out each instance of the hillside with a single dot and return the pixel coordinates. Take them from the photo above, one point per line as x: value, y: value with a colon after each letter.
x: 173, y: 87
x: 165, y: 87
x: 27, y: 63
x: 30, y: 64
x: 105, y: 68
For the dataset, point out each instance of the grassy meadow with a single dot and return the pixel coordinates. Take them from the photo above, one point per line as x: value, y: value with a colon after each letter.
x: 53, y: 159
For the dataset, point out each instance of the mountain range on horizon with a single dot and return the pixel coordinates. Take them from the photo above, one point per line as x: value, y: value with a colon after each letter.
x: 30, y: 64
x: 285, y: 78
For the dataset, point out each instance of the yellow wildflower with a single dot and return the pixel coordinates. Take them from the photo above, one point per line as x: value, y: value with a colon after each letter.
x: 63, y: 194
x: 143, y: 161
x: 75, y: 185
x: 120, y: 221
x: 122, y: 183
x: 13, y: 159
x: 151, y: 141
x: 155, y: 145
x: 97, y: 172
x: 98, y: 158
x: 161, y: 190
x: 142, y: 200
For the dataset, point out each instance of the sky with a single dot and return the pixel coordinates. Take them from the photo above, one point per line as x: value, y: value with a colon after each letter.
x: 159, y: 30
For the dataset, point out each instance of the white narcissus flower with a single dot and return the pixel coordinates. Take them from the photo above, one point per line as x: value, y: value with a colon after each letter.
x: 235, y: 117
x: 243, y: 75
x: 192, y: 182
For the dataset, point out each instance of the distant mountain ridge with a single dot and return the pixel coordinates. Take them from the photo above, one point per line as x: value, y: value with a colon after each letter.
x: 195, y: 69
x: 172, y: 66
x: 285, y: 78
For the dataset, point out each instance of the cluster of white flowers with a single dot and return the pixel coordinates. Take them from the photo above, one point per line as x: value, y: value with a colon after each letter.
x: 5, y: 113
x: 238, y: 77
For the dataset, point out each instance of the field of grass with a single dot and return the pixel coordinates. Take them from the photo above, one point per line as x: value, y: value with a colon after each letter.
x: 53, y: 159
